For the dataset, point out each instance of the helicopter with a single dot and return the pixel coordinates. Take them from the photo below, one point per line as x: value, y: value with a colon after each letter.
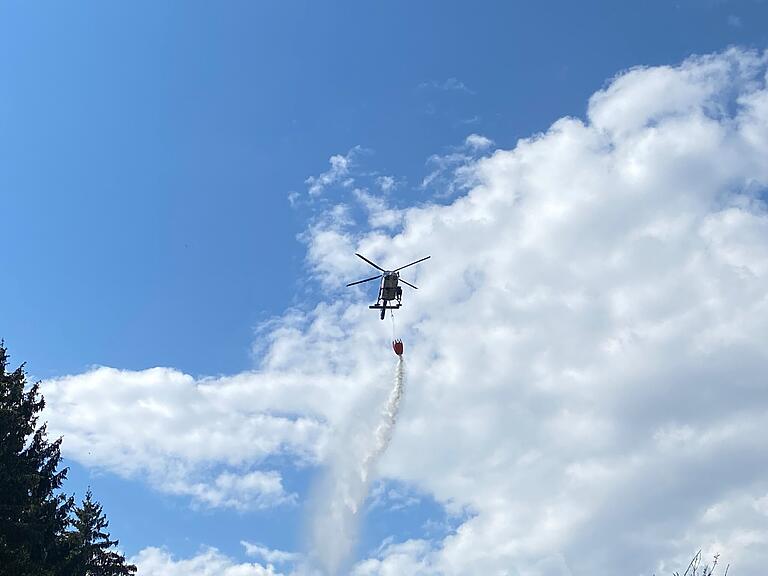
x: 390, y: 294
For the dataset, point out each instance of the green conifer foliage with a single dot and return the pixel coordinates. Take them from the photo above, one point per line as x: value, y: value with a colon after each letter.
x: 33, y: 515
x: 90, y: 544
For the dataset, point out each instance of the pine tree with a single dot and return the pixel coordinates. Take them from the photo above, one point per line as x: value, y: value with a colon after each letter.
x: 33, y: 515
x: 90, y: 553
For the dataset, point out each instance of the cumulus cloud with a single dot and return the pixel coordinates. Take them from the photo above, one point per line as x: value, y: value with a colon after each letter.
x: 601, y: 354
x: 212, y: 438
x: 391, y: 496
x: 451, y: 172
x: 240, y: 491
x: 411, y: 557
x: 269, y: 555
x: 586, y: 350
x: 380, y: 215
x: 386, y: 183
x: 478, y: 142
x: 338, y: 173
x: 209, y: 562
x: 184, y: 435
x: 329, y: 241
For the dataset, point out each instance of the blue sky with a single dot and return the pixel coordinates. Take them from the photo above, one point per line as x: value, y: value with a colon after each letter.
x: 148, y: 151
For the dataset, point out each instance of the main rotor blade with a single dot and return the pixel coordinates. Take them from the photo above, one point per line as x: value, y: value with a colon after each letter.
x: 361, y: 281
x: 409, y: 284
x: 369, y: 262
x: 406, y: 266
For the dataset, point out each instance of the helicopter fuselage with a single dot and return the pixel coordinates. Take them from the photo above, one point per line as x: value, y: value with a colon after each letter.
x: 390, y: 292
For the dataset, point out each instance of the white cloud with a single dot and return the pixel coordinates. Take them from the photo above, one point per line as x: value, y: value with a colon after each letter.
x: 165, y: 425
x: 209, y: 562
x: 386, y: 183
x: 269, y: 555
x: 240, y: 491
x: 412, y: 557
x: 329, y: 242
x: 451, y: 84
x: 586, y: 351
x: 452, y: 172
x: 603, y: 290
x: 337, y: 173
x: 391, y: 496
x: 380, y: 215
x: 478, y: 142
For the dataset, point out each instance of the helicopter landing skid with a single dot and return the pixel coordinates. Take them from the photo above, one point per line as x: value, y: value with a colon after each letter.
x: 384, y: 308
